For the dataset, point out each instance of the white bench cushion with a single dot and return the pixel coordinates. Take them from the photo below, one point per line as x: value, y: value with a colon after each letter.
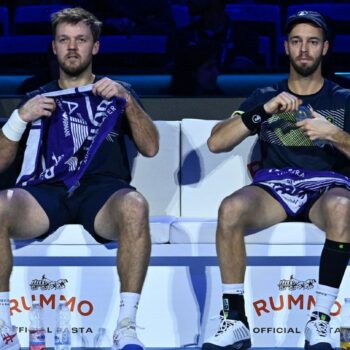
x: 187, y: 230
x: 75, y: 235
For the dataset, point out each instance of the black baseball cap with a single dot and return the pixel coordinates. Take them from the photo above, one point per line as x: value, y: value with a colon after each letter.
x: 307, y: 17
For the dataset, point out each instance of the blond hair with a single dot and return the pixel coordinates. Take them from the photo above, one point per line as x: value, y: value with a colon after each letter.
x: 75, y: 15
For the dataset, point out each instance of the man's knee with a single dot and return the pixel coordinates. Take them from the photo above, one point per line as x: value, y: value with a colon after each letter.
x: 5, y: 207
x: 232, y: 210
x: 337, y: 214
x: 134, y: 206
x: 338, y: 207
x: 130, y: 212
x: 134, y: 216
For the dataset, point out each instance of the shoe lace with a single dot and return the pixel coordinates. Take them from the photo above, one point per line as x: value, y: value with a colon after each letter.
x: 224, y: 324
x: 322, y: 328
x: 127, y: 329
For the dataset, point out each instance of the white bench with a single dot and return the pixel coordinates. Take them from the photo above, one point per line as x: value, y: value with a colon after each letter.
x: 184, y: 185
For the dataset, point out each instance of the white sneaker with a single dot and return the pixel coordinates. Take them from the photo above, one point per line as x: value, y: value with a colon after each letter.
x: 232, y: 334
x: 125, y: 337
x: 318, y: 333
x: 8, y: 337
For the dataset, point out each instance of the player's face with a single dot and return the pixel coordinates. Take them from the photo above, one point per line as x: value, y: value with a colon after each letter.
x: 306, y: 47
x: 74, y: 47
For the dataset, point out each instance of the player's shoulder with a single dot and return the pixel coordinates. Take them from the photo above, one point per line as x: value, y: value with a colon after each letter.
x: 267, y: 92
x: 124, y: 84
x: 49, y: 87
x: 52, y: 86
x: 334, y: 89
x: 121, y: 82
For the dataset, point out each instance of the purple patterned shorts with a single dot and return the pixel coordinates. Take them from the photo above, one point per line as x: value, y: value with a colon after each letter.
x: 296, y: 188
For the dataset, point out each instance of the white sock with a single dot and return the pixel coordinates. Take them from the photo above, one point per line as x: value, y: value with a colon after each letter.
x: 5, y: 307
x: 129, y: 303
x: 233, y: 288
x: 325, y: 298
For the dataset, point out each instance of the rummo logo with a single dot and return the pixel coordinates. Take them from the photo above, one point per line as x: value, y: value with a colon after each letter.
x: 288, y: 302
x: 293, y: 284
x: 83, y: 307
x: 284, y: 301
x: 46, y: 284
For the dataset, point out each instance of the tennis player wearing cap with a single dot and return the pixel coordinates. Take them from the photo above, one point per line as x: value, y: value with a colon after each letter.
x: 303, y: 177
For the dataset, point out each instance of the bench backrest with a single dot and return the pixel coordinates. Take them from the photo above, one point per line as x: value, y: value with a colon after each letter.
x: 156, y: 178
x: 206, y: 177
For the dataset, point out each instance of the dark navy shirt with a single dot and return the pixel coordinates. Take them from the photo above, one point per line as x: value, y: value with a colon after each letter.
x: 283, y: 145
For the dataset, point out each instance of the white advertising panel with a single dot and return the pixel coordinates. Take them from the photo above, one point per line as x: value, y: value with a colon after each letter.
x: 177, y: 303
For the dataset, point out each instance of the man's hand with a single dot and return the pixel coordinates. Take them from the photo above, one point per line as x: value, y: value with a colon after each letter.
x: 143, y: 130
x: 108, y: 88
x: 283, y: 102
x: 37, y: 107
x: 317, y: 127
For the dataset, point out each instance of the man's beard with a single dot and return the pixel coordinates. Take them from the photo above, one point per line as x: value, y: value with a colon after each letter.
x: 74, y: 71
x: 306, y: 71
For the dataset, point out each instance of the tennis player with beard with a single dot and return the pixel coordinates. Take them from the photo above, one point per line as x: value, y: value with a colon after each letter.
x: 303, y: 124
x: 100, y: 197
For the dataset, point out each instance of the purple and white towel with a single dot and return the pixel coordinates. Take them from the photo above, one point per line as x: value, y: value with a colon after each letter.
x: 61, y: 147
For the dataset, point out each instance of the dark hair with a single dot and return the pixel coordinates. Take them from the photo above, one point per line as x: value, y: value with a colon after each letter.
x: 74, y: 16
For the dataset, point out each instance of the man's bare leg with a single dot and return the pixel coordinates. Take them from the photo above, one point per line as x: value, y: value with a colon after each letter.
x: 331, y: 213
x: 125, y: 217
x: 21, y: 217
x: 249, y: 208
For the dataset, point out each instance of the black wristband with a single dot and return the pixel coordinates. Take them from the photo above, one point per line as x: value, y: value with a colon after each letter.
x: 253, y: 118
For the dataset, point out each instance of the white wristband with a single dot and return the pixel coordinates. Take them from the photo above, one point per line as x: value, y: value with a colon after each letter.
x: 14, y: 127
